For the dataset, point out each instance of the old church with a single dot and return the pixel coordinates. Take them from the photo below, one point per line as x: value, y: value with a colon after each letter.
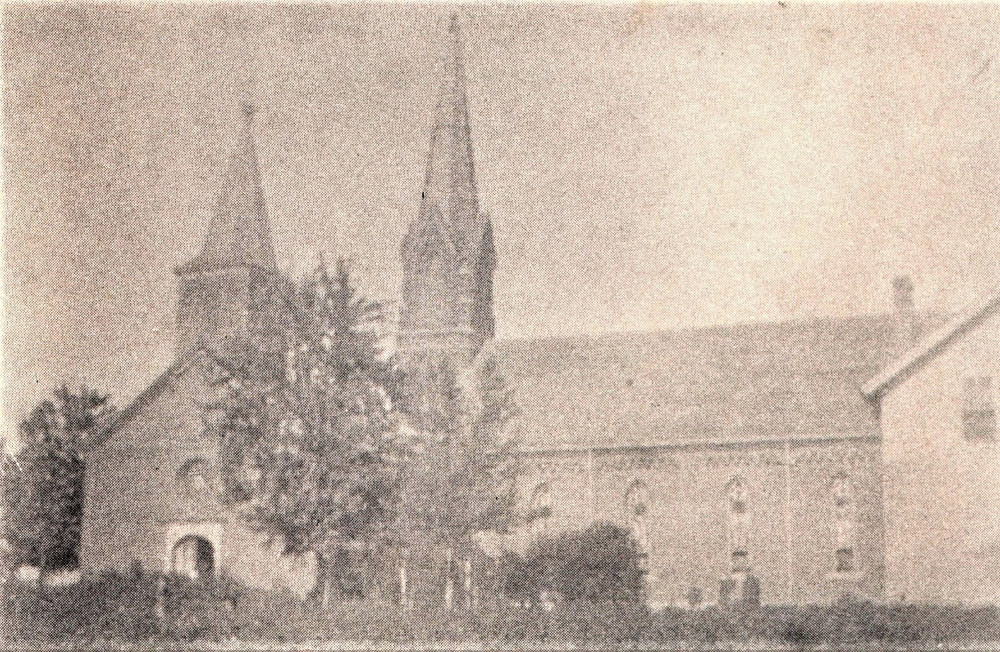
x: 821, y: 456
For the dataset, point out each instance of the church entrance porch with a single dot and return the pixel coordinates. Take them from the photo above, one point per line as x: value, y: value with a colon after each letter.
x: 193, y: 557
x: 193, y: 549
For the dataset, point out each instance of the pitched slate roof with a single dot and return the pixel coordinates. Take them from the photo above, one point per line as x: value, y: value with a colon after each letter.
x: 153, y: 391
x: 797, y: 379
x: 929, y: 347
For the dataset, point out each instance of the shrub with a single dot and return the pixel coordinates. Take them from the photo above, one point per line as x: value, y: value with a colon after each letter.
x: 601, y: 564
x: 601, y: 623
x: 121, y: 607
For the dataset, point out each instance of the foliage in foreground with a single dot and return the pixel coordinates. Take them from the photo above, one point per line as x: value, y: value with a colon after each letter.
x: 601, y: 563
x: 312, y: 455
x: 43, y: 502
x: 123, y: 607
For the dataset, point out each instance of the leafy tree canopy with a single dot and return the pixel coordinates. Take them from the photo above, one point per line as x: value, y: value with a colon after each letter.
x: 44, y: 501
x: 312, y: 455
x: 463, y: 479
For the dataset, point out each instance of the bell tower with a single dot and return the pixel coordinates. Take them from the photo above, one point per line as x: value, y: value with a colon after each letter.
x: 448, y: 255
x: 224, y: 288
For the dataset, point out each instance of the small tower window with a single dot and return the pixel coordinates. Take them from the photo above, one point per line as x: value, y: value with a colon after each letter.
x: 979, y: 420
x: 737, y: 504
x: 193, y: 476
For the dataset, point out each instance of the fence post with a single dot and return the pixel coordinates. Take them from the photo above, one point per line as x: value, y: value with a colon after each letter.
x: 160, y: 609
x: 449, y: 583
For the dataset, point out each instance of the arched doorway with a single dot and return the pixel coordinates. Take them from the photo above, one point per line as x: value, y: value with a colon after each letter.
x: 193, y: 557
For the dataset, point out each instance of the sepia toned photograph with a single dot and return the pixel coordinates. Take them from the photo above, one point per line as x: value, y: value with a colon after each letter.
x: 487, y: 326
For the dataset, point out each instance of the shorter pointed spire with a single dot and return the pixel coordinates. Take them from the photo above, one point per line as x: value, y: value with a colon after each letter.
x: 239, y: 233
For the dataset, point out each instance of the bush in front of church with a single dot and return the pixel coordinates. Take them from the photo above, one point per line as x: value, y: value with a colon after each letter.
x: 584, y: 586
x: 112, y: 606
x: 125, y: 607
x: 600, y: 564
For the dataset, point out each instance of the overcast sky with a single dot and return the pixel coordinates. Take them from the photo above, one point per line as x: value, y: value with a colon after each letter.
x: 645, y: 168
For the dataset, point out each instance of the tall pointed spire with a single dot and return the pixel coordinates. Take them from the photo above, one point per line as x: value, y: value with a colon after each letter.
x: 448, y: 254
x: 450, y: 185
x: 239, y: 233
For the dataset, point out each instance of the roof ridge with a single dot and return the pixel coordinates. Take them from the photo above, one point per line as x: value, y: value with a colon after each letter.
x: 798, y: 321
x: 928, y: 347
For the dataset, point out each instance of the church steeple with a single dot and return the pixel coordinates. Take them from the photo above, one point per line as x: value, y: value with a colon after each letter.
x: 450, y: 180
x: 239, y: 233
x: 220, y: 293
x: 448, y: 257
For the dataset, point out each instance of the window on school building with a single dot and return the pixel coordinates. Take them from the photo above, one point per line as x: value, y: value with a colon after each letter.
x: 844, y: 523
x: 637, y: 515
x: 979, y: 420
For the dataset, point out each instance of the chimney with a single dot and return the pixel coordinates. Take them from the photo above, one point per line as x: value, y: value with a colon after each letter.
x: 907, y: 329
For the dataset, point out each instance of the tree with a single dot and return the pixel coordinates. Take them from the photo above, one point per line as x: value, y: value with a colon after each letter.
x: 313, y: 456
x: 44, y: 502
x: 462, y: 481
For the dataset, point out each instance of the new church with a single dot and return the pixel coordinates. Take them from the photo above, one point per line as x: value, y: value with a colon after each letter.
x: 822, y: 457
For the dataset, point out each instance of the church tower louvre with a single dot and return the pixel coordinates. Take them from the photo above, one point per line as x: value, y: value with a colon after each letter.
x: 225, y: 289
x: 447, y: 253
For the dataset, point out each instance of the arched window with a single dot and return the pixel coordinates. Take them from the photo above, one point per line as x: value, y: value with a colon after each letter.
x: 193, y: 557
x: 844, y: 523
x: 193, y: 476
x: 637, y: 514
x: 738, y: 508
x: 540, y: 510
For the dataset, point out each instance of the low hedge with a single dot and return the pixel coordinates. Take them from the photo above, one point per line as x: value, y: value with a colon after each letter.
x: 124, y: 607
x: 845, y: 622
x: 111, y: 606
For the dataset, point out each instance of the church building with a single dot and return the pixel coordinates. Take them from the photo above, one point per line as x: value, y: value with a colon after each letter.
x: 801, y: 453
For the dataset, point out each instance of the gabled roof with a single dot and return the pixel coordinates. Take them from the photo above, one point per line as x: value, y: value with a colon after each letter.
x: 929, y: 347
x: 150, y: 394
x: 743, y: 383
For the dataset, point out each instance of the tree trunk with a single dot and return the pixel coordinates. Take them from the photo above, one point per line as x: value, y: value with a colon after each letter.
x: 326, y: 590
x: 468, y: 583
x: 324, y: 580
x: 402, y: 583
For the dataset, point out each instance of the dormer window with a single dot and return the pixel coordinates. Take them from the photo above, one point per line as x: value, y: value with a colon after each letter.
x: 979, y: 420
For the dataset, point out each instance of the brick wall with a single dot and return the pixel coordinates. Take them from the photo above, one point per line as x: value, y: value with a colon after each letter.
x: 941, y: 486
x: 136, y: 503
x: 791, y: 526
